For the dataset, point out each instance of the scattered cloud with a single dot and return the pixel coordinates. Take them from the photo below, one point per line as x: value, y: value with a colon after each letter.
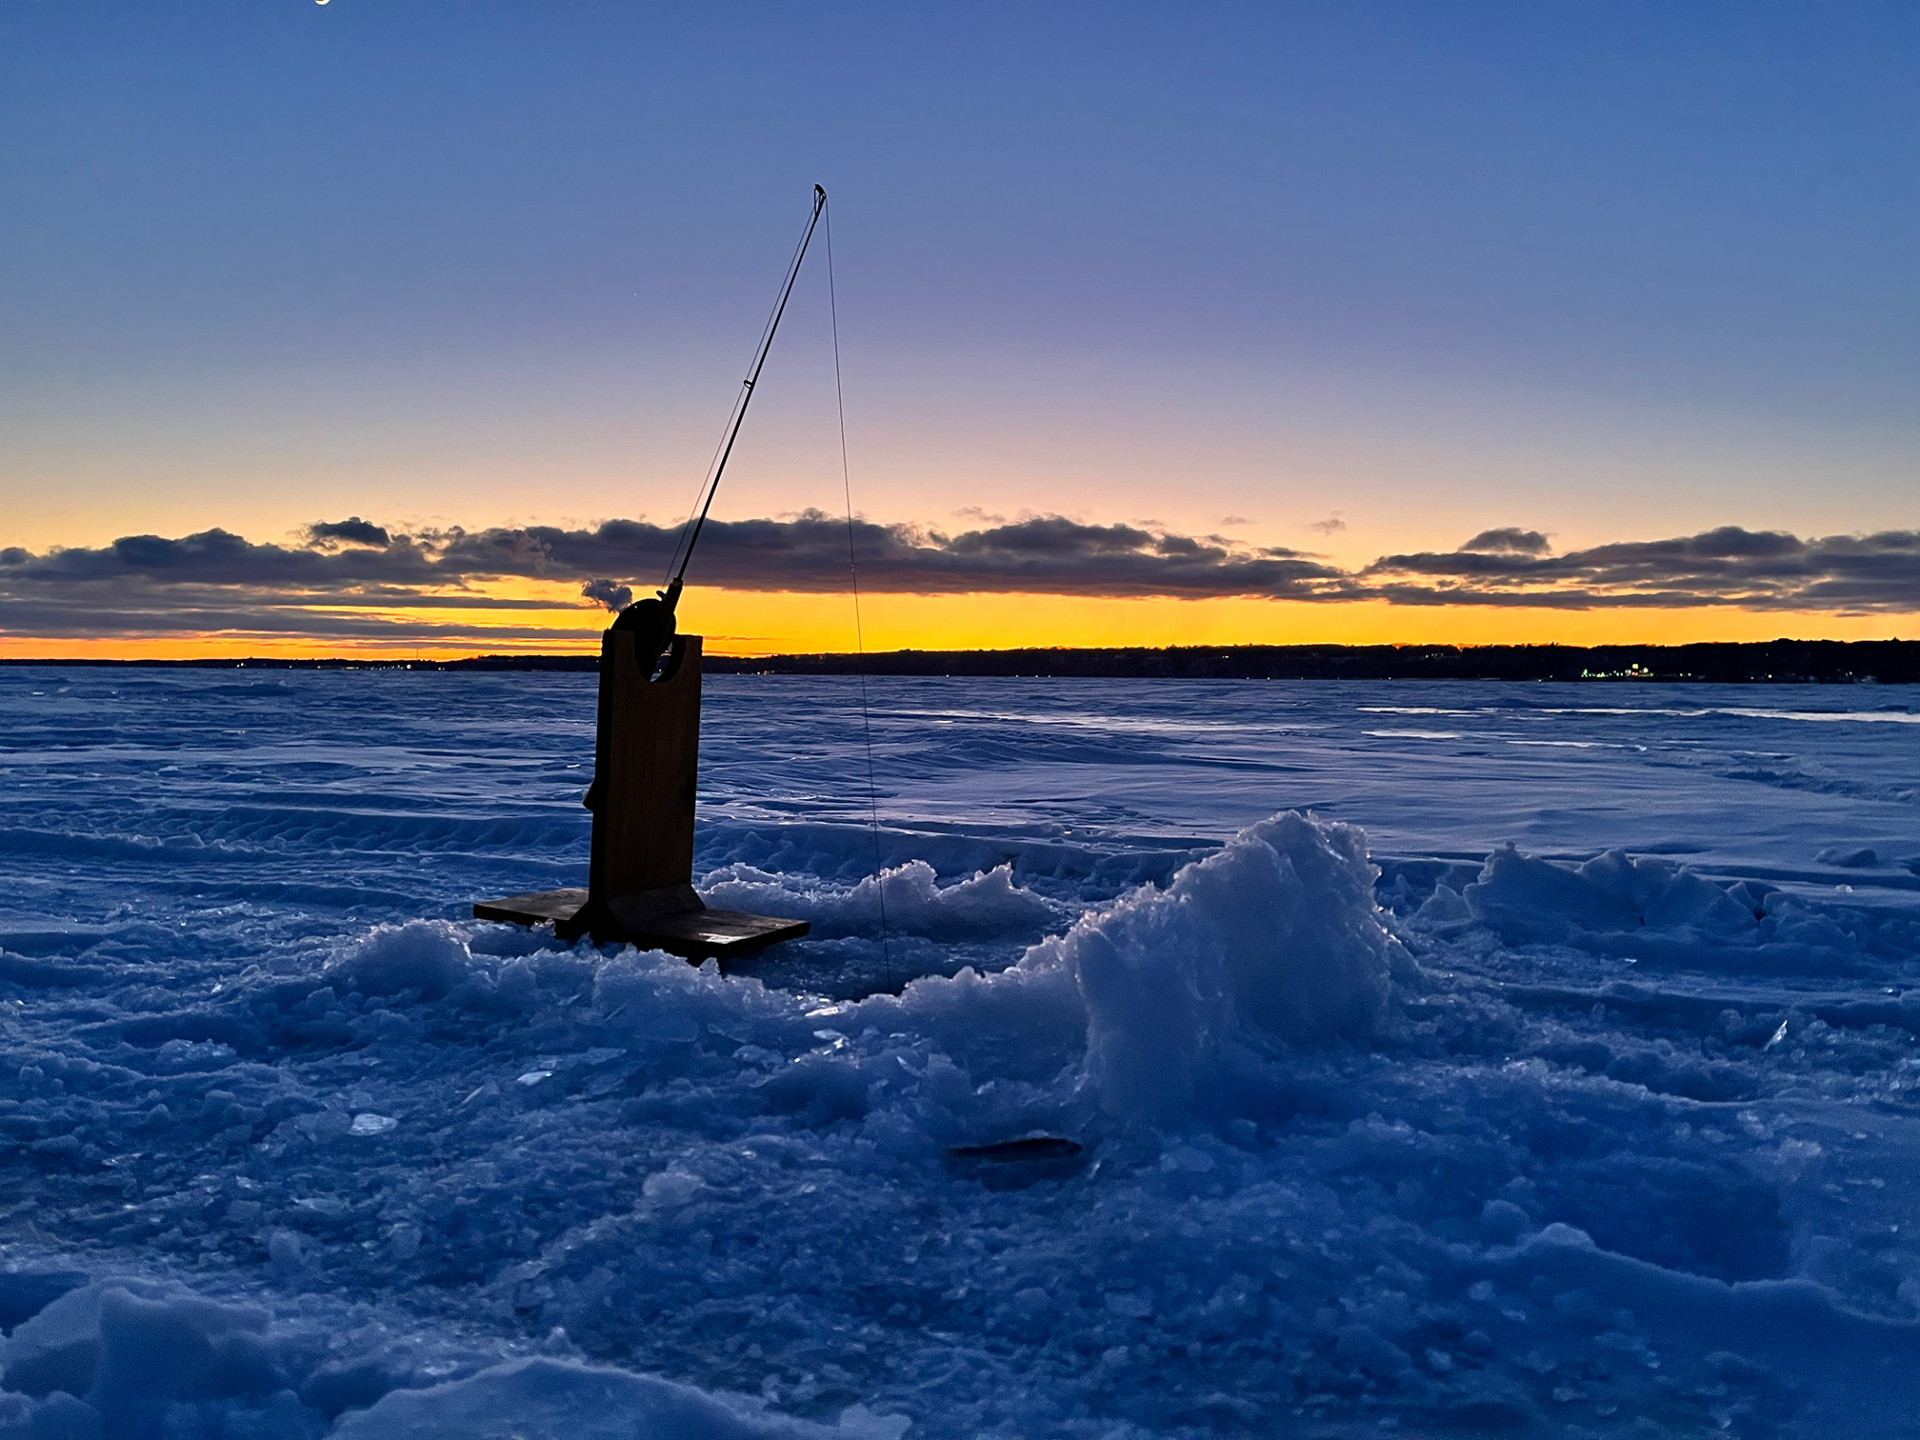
x: 607, y: 593
x: 1511, y: 540
x: 324, y: 534
x: 1230, y: 520
x: 354, y: 579
x: 1332, y: 525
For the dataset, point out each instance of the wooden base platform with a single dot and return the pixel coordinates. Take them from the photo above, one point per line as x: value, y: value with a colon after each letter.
x: 675, y: 919
x: 538, y: 907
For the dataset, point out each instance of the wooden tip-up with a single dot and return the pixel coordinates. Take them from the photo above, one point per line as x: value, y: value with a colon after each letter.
x: 640, y: 872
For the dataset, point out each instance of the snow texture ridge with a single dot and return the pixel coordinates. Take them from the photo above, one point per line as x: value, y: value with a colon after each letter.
x: 987, y: 903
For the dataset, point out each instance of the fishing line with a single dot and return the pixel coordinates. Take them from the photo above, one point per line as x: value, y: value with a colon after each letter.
x: 859, y: 635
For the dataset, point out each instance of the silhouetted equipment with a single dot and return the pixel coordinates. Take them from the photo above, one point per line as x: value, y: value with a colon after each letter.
x: 640, y: 870
x: 651, y: 623
x: 646, y: 760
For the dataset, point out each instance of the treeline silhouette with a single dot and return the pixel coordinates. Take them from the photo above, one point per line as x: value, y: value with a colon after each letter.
x: 1772, y: 661
x: 1888, y: 662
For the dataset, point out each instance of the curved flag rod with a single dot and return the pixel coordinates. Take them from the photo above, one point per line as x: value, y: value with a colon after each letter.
x: 654, y: 619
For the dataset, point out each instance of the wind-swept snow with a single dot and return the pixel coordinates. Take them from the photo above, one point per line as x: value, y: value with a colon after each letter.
x: 1585, y: 1101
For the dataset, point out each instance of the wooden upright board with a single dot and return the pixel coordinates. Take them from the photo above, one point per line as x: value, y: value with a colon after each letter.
x: 646, y: 766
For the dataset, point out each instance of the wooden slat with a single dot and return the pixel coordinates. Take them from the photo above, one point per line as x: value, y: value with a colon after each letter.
x: 698, y: 934
x: 695, y: 933
x: 637, y: 912
x: 537, y: 907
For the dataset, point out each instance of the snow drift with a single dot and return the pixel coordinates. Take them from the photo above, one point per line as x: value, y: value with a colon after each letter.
x: 133, y: 1361
x: 1278, y: 931
x: 1654, y: 910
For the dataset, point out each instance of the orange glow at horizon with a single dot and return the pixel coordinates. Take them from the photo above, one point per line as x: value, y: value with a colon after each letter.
x: 751, y: 623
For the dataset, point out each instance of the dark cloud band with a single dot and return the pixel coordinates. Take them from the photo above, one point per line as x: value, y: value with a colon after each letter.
x: 1730, y: 566
x: 356, y: 579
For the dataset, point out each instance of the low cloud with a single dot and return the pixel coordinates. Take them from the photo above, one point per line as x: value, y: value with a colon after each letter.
x: 1332, y: 525
x: 354, y: 579
x: 1512, y: 541
x: 607, y: 593
x: 351, y: 531
x: 808, y: 552
x: 1730, y: 566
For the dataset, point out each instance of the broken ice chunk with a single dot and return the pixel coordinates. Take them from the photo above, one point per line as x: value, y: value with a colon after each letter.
x: 672, y: 1186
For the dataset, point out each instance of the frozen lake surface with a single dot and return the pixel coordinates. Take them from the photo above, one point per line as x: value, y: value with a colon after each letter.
x: 1595, y: 1114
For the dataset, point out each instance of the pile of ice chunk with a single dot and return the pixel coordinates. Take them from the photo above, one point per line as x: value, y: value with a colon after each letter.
x: 127, y: 1360
x: 646, y: 1169
x: 1277, y: 934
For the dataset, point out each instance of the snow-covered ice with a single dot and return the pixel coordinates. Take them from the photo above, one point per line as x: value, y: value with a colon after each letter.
x: 1446, y: 1058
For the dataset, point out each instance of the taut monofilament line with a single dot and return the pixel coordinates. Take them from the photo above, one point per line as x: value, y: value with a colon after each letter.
x: 859, y: 631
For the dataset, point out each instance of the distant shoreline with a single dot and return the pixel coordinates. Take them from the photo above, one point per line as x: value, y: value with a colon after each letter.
x: 1790, y: 662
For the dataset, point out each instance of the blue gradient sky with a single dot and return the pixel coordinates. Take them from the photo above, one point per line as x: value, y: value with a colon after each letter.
x: 1605, y: 271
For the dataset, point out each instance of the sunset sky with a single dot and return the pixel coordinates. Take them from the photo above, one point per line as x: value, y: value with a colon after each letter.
x: 389, y: 325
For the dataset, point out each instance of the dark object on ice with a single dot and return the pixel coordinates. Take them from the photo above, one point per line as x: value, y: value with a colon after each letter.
x: 1032, y: 1147
x: 1016, y: 1164
x: 646, y: 760
x: 646, y: 764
